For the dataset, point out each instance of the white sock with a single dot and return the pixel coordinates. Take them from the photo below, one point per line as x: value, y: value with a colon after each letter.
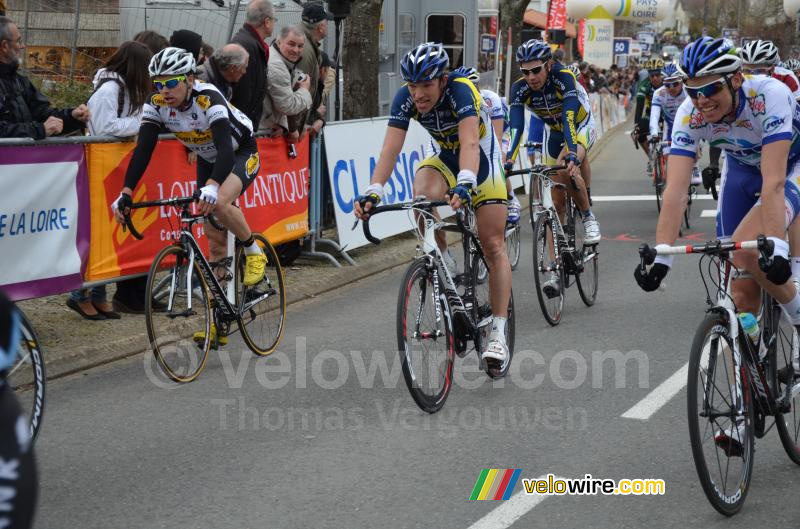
x: 253, y: 249
x: 499, y: 326
x: 792, y: 309
x: 796, y: 267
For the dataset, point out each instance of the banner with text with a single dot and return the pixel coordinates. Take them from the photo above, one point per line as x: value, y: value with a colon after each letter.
x: 44, y: 221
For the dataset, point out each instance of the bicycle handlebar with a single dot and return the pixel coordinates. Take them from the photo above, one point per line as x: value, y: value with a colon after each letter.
x: 174, y: 201
x: 537, y: 169
x: 762, y: 244
x: 402, y: 206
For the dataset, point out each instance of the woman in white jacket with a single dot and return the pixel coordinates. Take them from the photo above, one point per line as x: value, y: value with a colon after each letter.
x: 120, y: 91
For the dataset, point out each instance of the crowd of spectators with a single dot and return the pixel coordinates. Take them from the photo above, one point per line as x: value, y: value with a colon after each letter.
x: 280, y: 84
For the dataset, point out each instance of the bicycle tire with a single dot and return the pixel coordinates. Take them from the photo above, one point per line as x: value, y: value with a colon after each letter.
x: 687, y: 212
x: 787, y: 423
x: 708, y: 351
x: 481, y: 309
x: 180, y: 339
x: 28, y: 378
x: 420, y: 275
x: 268, y: 315
x: 658, y: 181
x: 552, y: 308
x: 513, y: 245
x: 588, y: 279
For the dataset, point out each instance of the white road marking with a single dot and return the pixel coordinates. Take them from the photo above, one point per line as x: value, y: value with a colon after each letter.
x: 709, y: 213
x: 637, y: 198
x: 646, y: 407
x: 512, y: 509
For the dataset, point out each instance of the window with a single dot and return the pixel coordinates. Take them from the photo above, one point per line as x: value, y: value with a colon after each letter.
x: 487, y: 43
x: 449, y: 30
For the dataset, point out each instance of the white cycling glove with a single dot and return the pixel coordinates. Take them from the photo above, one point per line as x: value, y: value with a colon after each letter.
x: 208, y: 193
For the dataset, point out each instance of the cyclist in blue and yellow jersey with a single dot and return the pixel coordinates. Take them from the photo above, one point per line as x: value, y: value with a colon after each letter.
x: 644, y: 100
x: 18, y: 477
x: 221, y: 136
x: 551, y: 91
x: 449, y: 107
x: 499, y: 114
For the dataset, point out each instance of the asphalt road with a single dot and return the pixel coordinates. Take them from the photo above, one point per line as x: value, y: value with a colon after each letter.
x: 325, y: 434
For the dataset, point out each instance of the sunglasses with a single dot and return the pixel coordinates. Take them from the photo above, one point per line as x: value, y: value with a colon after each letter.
x: 757, y: 71
x: 672, y: 84
x: 707, y: 90
x: 531, y: 71
x: 169, y: 83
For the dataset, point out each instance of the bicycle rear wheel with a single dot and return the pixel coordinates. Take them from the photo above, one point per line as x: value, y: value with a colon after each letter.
x: 513, y: 245
x: 263, y: 305
x: 27, y: 377
x: 425, y: 337
x: 180, y: 336
x: 721, y: 438
x: 658, y: 181
x: 787, y: 372
x: 552, y: 308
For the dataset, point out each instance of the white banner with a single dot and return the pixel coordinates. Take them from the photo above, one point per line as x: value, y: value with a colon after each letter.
x: 352, y: 149
x: 38, y: 221
x: 598, y: 47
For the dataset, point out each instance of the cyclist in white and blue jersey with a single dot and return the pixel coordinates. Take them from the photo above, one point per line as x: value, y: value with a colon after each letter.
x: 756, y: 121
x: 666, y: 100
x: 468, y: 162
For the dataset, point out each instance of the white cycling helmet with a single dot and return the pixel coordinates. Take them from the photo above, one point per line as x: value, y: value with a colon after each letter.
x: 792, y: 64
x: 171, y: 61
x: 759, y: 52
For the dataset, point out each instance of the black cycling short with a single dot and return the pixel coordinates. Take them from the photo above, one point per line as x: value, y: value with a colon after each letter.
x: 245, y: 166
x: 644, y: 129
x: 17, y: 466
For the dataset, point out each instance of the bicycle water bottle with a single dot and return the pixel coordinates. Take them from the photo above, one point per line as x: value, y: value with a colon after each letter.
x: 750, y: 326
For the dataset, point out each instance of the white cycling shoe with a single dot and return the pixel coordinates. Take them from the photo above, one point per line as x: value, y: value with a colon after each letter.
x: 496, y: 353
x: 591, y: 230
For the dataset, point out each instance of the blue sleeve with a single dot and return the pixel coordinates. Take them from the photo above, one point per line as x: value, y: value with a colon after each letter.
x: 464, y: 98
x: 517, y: 111
x: 565, y: 82
x: 402, y: 109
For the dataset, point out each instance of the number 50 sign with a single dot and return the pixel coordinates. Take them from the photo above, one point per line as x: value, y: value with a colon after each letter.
x: 622, y: 46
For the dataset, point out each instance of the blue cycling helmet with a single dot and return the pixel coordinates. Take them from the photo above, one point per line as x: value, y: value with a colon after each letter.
x: 425, y: 62
x: 709, y: 56
x: 10, y: 324
x: 670, y: 71
x: 468, y: 72
x: 534, y: 50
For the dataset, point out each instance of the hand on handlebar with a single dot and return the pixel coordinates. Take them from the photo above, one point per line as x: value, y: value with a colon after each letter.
x: 650, y: 280
x: 460, y: 195
x: 776, y: 263
x: 364, y: 203
x: 122, y: 206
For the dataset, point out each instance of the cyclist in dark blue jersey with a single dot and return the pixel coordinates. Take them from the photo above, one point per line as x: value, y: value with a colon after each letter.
x: 18, y: 478
x: 550, y: 90
x: 449, y: 107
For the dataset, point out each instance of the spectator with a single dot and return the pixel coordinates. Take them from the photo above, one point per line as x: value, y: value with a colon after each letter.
x: 559, y: 55
x: 584, y: 77
x: 25, y: 111
x: 225, y: 68
x: 318, y: 110
x: 154, y: 41
x: 189, y: 41
x: 315, y: 25
x: 206, y: 51
x: 120, y: 90
x: 288, y: 91
x: 250, y: 91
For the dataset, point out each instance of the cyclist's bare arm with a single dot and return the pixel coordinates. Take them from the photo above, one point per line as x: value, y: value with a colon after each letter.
x: 468, y: 156
x: 773, y: 171
x: 392, y: 145
x: 679, y: 171
x: 497, y: 125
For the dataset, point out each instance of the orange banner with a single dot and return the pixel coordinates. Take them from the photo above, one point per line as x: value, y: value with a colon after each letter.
x: 275, y: 204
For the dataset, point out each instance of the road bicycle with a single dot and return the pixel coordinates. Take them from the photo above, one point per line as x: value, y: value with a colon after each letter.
x: 27, y: 377
x: 658, y: 161
x: 734, y: 384
x: 570, y: 259
x: 439, y: 312
x: 200, y: 312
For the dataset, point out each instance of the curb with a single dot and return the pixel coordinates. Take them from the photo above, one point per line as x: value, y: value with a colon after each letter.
x: 87, y: 357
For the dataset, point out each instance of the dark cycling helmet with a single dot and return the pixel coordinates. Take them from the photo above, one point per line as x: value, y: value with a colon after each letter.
x: 534, y: 50
x: 576, y: 71
x: 709, y: 56
x: 425, y: 62
x: 759, y: 52
x: 670, y: 71
x: 468, y: 72
x: 9, y: 332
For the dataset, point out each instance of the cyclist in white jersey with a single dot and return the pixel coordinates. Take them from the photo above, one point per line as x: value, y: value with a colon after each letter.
x: 221, y: 136
x: 498, y: 113
x: 760, y: 57
x: 666, y: 100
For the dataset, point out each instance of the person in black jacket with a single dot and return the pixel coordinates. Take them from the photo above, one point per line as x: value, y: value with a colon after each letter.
x: 249, y: 92
x: 24, y: 111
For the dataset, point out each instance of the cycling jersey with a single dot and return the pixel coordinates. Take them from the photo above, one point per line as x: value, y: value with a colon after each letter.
x: 664, y: 106
x: 562, y: 105
x: 645, y: 94
x: 788, y: 78
x: 766, y: 112
x: 18, y: 478
x: 460, y: 99
x: 192, y: 125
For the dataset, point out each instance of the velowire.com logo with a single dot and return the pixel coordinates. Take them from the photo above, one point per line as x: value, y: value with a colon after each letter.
x: 495, y: 484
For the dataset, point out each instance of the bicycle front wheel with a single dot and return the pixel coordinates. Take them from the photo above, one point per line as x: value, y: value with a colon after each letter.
x: 27, y: 377
x: 180, y: 335
x: 787, y: 363
x: 513, y: 245
x: 425, y: 337
x: 720, y: 412
x: 263, y: 305
x: 550, y: 300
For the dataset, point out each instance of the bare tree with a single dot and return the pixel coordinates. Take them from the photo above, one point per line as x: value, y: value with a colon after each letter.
x: 512, y: 13
x: 360, y: 60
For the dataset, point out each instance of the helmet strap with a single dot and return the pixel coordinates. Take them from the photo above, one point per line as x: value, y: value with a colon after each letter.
x: 734, y: 100
x: 188, y: 101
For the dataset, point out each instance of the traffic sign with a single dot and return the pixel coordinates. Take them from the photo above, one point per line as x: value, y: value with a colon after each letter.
x: 622, y: 46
